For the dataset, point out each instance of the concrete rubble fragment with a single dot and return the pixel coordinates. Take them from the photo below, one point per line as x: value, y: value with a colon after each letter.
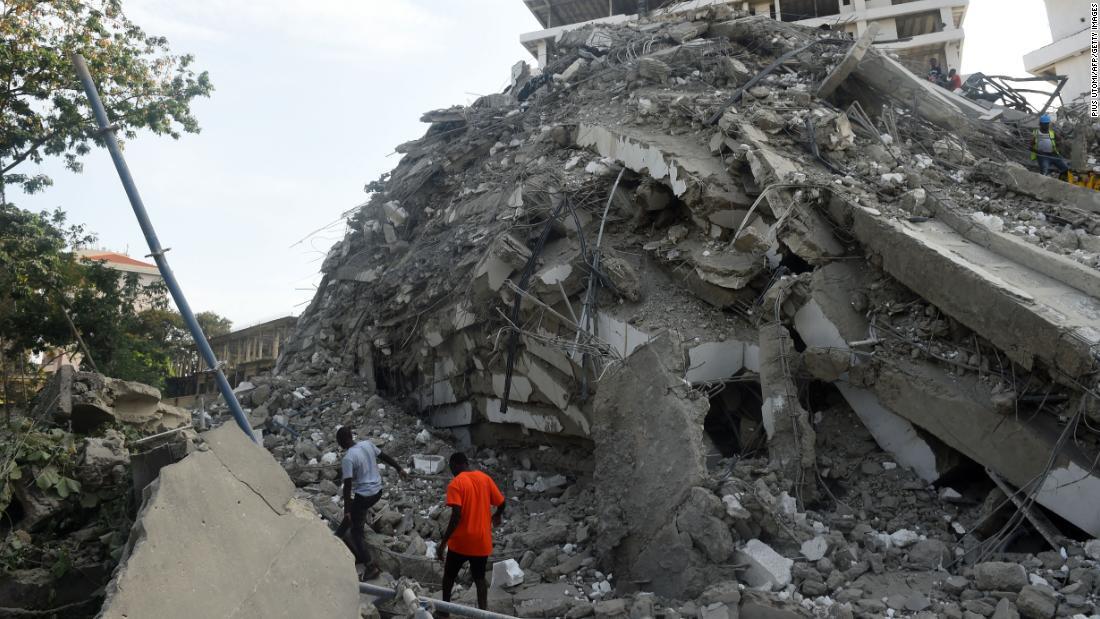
x: 230, y: 509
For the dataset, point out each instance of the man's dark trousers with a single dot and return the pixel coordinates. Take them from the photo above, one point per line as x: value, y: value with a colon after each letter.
x: 360, y: 505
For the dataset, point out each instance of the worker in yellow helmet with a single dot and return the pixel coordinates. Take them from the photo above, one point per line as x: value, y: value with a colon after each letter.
x: 1044, y: 148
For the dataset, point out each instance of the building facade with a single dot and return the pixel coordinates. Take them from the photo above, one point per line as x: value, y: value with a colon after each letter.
x: 914, y: 29
x: 244, y: 353
x: 147, y: 273
x: 1068, y: 55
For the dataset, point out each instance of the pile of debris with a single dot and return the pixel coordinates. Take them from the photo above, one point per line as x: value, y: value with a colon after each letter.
x: 788, y: 321
x: 70, y: 474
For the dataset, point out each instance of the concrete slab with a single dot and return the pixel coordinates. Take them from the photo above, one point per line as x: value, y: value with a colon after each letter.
x: 520, y: 390
x: 850, y: 61
x: 958, y: 411
x: 935, y: 104
x: 527, y: 416
x: 892, y: 432
x: 1030, y: 316
x: 460, y: 414
x: 621, y: 336
x: 218, y: 536
x: 715, y: 361
x: 1020, y: 179
x: 680, y: 164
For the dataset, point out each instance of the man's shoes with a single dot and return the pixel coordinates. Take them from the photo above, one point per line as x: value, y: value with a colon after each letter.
x: 370, y: 572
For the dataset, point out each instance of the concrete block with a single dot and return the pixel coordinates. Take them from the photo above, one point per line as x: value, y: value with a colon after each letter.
x: 429, y: 464
x: 554, y: 388
x: 768, y: 570
x: 622, y: 337
x: 506, y: 573
x: 451, y: 415
x: 715, y: 361
x: 528, y: 416
x: 230, y: 510
x: 815, y: 548
x: 395, y: 214
x: 520, y: 390
x: 1000, y: 576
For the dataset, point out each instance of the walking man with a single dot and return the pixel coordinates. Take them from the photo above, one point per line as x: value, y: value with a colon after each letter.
x: 469, y: 535
x: 362, y: 489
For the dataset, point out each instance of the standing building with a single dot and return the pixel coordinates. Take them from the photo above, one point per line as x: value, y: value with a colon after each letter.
x: 147, y: 273
x: 914, y: 29
x: 1068, y: 54
x: 244, y: 353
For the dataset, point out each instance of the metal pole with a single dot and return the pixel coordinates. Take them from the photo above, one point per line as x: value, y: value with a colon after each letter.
x: 450, y: 607
x: 155, y: 250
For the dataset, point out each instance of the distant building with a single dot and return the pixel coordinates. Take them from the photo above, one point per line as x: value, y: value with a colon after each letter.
x: 244, y: 353
x: 147, y: 273
x: 914, y: 29
x: 1068, y: 55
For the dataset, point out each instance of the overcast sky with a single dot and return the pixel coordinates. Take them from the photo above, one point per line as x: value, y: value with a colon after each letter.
x: 311, y: 96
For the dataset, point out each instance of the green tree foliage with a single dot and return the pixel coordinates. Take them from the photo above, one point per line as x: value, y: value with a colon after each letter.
x: 213, y: 324
x: 128, y: 330
x: 43, y: 110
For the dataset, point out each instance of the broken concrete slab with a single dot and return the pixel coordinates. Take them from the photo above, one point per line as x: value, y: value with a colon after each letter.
x: 644, y: 421
x: 680, y: 164
x: 849, y: 63
x: 1029, y: 315
x: 88, y: 400
x: 1018, y: 178
x: 959, y: 411
x: 828, y: 322
x: 934, y: 103
x: 1055, y: 266
x: 230, y: 510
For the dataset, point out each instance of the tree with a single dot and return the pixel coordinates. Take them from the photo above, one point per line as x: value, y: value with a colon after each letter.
x: 44, y: 286
x: 213, y: 324
x: 185, y: 355
x: 43, y: 110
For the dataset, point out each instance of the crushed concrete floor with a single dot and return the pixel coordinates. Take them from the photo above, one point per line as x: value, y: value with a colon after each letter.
x: 751, y: 321
x: 748, y: 320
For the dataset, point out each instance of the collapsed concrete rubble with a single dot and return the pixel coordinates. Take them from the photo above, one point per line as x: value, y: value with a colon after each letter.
x: 783, y: 346
x: 220, y: 534
x: 68, y: 472
x: 85, y: 401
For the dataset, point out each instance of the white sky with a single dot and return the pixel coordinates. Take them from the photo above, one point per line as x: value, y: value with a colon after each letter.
x: 311, y: 98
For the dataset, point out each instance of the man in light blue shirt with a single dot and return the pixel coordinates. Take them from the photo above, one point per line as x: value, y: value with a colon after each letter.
x: 362, y: 488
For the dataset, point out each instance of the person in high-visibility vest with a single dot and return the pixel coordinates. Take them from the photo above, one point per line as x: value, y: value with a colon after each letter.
x: 1044, y: 148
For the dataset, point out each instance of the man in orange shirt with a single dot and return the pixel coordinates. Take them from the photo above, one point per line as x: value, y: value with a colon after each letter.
x: 469, y: 535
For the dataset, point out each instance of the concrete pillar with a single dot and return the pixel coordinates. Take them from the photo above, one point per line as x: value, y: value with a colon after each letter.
x: 778, y: 14
x: 542, y: 53
x: 952, y: 56
x: 859, y: 5
x: 790, y: 434
x: 947, y: 18
x: 275, y: 346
